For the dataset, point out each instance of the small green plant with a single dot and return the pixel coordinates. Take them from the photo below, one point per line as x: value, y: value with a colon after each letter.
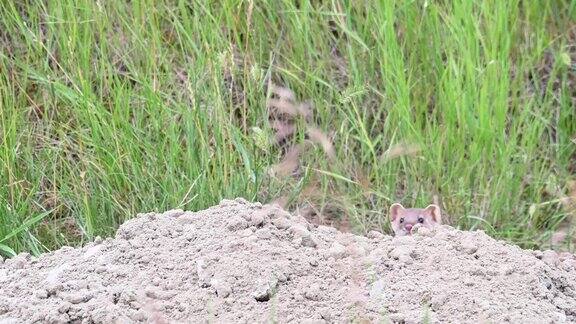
x: 24, y: 227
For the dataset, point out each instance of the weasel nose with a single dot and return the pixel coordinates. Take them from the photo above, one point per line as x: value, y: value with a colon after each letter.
x: 408, y: 227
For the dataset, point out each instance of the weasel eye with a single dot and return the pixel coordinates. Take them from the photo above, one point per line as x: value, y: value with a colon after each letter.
x: 420, y: 220
x: 402, y: 220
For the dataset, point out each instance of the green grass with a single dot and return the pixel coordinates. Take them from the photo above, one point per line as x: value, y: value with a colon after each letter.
x: 109, y: 108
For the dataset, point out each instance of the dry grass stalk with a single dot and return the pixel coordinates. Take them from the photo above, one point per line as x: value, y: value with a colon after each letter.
x: 282, y: 92
x: 559, y: 237
x: 282, y: 130
x: 402, y: 149
x: 281, y: 201
x: 282, y: 107
x: 569, y: 202
x: 319, y: 137
x: 289, y: 164
x: 283, y: 114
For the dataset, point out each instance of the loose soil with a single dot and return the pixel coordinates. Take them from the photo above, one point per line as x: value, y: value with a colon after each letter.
x: 240, y: 262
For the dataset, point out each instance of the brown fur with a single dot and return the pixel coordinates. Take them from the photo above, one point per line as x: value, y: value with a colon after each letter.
x: 404, y: 220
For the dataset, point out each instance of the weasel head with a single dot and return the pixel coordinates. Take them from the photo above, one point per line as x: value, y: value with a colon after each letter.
x: 403, y: 220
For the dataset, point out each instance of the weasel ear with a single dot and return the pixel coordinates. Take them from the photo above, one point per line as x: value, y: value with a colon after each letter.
x: 395, y: 210
x: 434, y: 211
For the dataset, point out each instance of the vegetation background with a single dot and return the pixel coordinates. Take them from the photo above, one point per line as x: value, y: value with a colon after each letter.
x: 109, y: 108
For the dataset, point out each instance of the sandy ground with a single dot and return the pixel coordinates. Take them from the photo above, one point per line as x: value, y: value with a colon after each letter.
x: 240, y: 262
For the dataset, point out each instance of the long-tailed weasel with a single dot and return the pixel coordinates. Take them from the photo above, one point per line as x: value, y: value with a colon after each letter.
x: 404, y: 219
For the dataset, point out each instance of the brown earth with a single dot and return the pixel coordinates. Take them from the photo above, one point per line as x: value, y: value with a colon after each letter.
x: 240, y: 262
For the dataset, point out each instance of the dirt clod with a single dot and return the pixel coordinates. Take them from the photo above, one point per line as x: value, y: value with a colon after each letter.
x: 243, y: 262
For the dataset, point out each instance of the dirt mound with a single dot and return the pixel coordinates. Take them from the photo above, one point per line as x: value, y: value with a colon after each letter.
x: 242, y: 262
